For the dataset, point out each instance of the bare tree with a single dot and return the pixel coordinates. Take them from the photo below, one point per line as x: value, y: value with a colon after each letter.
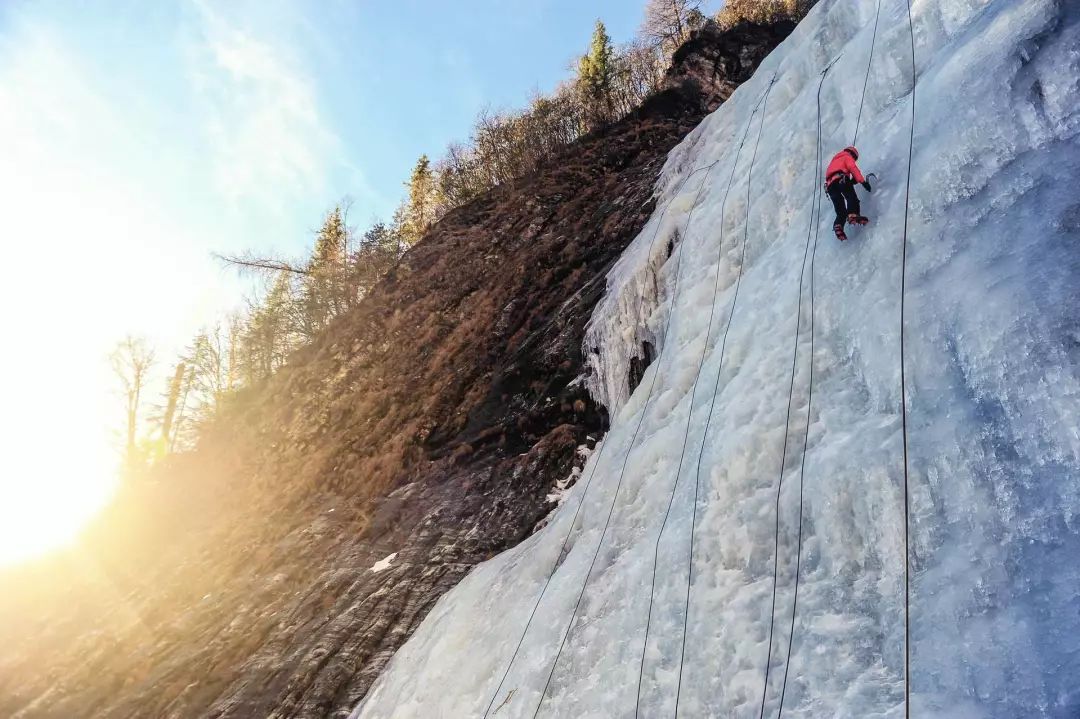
x: 639, y: 70
x: 234, y: 325
x: 668, y: 23
x: 131, y: 361
x: 210, y: 362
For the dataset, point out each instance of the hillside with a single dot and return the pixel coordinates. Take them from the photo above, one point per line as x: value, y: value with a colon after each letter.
x: 848, y: 483
x: 276, y: 570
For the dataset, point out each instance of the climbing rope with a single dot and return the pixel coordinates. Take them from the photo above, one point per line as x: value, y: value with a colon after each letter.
x: 866, y: 80
x: 815, y: 212
x: 802, y: 459
x: 622, y: 471
x: 815, y: 207
x: 701, y: 361
x: 697, y: 478
x: 903, y: 386
x: 903, y: 413
x: 603, y: 445
x: 626, y: 456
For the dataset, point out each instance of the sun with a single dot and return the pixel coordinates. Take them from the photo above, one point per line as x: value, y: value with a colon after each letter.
x: 53, y: 479
x: 48, y: 513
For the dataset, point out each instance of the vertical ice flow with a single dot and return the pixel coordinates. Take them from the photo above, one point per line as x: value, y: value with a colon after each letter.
x: 993, y: 335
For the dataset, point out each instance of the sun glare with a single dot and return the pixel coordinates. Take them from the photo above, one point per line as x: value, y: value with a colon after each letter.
x: 59, y: 461
x: 48, y: 513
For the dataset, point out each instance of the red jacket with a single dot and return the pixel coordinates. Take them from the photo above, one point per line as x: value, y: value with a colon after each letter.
x: 843, y: 164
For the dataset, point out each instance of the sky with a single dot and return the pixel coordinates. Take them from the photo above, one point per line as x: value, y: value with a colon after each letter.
x: 141, y: 137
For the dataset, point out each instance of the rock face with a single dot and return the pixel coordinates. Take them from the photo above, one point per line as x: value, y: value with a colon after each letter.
x: 275, y: 572
x: 714, y: 60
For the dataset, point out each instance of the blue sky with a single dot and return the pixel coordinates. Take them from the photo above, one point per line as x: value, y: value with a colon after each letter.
x: 237, y: 124
x: 142, y: 136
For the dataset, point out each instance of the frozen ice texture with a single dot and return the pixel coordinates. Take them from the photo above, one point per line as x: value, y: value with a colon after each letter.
x: 993, y: 392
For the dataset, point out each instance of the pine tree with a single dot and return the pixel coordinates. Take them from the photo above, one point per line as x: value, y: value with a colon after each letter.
x: 382, y: 247
x: 280, y: 318
x: 325, y: 294
x: 271, y: 330
x: 210, y: 362
x: 402, y: 229
x: 421, y: 212
x: 596, y: 78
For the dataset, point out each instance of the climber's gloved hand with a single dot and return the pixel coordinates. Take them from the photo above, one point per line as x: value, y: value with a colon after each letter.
x: 867, y: 186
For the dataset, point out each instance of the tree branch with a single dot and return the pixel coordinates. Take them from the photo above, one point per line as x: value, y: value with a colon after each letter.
x: 260, y: 264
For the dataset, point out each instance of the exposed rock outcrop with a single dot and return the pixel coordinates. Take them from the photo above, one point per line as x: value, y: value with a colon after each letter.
x: 714, y: 62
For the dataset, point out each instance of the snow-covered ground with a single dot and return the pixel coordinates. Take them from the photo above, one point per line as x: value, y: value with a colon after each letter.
x: 993, y: 343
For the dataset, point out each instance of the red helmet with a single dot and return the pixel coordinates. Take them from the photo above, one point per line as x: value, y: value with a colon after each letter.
x: 851, y: 149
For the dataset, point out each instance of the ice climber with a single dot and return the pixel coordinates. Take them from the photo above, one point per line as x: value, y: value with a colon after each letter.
x: 840, y: 178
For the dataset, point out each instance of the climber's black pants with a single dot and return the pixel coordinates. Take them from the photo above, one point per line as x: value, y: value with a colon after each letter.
x: 844, y: 199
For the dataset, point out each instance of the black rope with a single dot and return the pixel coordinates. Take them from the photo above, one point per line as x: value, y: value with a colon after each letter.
x: 701, y: 363
x: 814, y: 209
x: 630, y: 448
x: 802, y: 460
x: 798, y: 560
x: 697, y: 477
x: 866, y: 81
x: 903, y: 387
x: 599, y: 456
x: 903, y: 412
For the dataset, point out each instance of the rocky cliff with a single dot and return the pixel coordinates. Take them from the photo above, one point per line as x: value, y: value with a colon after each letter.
x: 276, y: 570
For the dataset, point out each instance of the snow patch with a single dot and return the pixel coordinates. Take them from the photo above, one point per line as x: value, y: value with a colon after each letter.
x: 383, y: 563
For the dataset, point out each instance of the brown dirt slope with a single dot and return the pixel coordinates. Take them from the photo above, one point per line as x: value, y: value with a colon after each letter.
x: 431, y: 422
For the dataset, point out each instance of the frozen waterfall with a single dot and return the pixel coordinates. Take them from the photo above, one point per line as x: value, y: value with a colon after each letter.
x: 993, y: 393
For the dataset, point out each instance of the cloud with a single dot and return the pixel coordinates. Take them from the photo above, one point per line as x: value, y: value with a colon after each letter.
x: 260, y: 111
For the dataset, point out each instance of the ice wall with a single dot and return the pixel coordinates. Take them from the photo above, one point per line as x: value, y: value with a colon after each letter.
x: 993, y: 342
